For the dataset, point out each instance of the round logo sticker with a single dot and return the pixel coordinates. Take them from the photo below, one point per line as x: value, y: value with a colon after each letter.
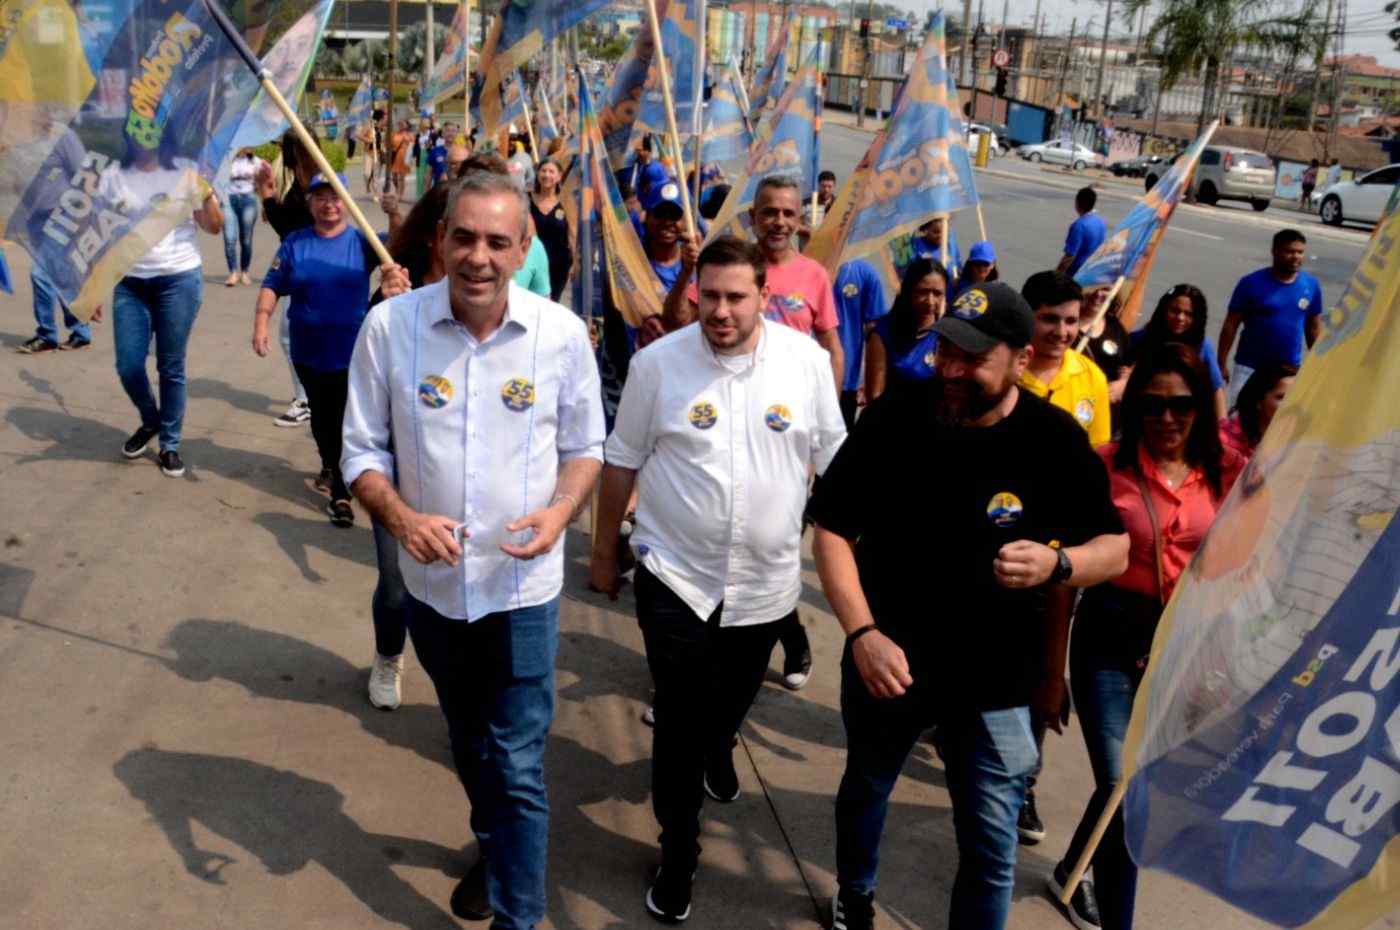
x: 518, y: 394
x: 1084, y: 411
x: 435, y: 391
x: 971, y: 304
x: 1109, y: 347
x: 929, y: 358
x: 851, y: 289
x: 1302, y: 303
x: 703, y: 415
x: 558, y: 213
x: 777, y: 418
x: 1004, y: 509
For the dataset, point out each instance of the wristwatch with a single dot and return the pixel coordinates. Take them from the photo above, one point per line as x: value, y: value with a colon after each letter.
x: 1063, y: 567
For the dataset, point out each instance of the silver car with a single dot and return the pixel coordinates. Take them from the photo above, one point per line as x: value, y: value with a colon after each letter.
x: 1059, y: 152
x: 1228, y: 173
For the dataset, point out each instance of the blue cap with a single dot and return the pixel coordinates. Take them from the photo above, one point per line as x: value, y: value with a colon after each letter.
x: 982, y: 252
x: 670, y: 192
x: 320, y: 180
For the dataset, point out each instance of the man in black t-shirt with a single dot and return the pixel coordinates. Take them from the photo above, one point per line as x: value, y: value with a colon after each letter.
x: 946, y: 526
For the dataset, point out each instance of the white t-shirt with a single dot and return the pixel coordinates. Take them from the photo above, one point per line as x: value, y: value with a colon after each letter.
x: 241, y: 174
x: 139, y: 193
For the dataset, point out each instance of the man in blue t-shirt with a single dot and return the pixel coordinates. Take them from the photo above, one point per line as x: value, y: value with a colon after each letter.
x: 437, y: 159
x: 1280, y: 308
x: 929, y: 244
x: 647, y: 172
x: 1086, y: 233
x: 860, y: 301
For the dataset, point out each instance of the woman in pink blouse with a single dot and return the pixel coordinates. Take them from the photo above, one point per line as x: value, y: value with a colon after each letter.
x: 1170, y: 455
x: 1259, y: 400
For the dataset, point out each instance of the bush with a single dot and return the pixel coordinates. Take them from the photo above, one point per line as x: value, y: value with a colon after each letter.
x: 334, y: 152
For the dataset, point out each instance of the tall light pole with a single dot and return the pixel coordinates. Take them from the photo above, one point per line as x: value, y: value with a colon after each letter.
x: 1103, y: 60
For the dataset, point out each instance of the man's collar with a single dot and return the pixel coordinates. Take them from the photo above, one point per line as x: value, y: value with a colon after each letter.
x: 439, y: 306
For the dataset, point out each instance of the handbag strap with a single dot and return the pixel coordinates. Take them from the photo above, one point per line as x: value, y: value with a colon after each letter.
x: 1156, y: 533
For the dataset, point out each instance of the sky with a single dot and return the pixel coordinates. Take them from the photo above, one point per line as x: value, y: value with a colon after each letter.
x: 1366, y: 20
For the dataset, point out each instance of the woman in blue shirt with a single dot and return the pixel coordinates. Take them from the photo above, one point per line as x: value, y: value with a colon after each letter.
x: 325, y: 271
x: 906, y: 332
x: 1181, y: 317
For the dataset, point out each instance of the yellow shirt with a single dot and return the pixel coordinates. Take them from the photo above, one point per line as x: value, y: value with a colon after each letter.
x: 1081, y: 389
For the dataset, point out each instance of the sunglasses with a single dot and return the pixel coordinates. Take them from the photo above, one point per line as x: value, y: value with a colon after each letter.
x: 1155, y: 405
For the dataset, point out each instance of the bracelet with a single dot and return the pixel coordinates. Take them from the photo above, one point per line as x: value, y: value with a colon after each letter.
x: 857, y: 634
x: 573, y: 501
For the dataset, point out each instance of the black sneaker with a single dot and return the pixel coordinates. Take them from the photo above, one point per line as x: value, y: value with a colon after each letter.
x: 341, y: 513
x: 469, y: 900
x: 1029, y: 825
x: 851, y: 910
x: 171, y: 465
x: 668, y: 899
x: 1083, y: 910
x: 37, y: 346
x: 75, y: 342
x: 134, y: 447
x: 721, y: 781
x: 797, y: 670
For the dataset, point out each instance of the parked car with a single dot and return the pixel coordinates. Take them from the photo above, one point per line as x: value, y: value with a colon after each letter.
x: 1136, y: 167
x: 1360, y: 200
x: 974, y: 130
x: 1057, y: 152
x: 1228, y: 173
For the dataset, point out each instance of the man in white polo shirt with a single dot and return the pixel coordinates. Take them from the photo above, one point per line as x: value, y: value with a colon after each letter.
x: 473, y: 430
x: 719, y: 427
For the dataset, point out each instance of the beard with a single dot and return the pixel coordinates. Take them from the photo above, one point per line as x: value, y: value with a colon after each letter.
x: 963, y: 401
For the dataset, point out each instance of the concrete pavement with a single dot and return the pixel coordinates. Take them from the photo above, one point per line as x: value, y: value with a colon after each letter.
x: 186, y: 737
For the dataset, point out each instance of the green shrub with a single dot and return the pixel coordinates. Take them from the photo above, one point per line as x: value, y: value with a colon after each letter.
x: 334, y: 152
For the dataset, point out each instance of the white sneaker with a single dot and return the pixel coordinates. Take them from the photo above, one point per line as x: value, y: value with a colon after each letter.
x: 386, y: 682
x: 297, y: 413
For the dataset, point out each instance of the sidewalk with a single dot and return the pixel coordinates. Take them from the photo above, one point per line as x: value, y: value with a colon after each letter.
x: 182, y: 671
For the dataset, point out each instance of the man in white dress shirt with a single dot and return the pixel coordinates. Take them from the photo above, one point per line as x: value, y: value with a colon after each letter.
x: 719, y: 426
x: 473, y: 431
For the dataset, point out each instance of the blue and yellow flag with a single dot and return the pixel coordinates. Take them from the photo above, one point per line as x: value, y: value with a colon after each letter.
x: 449, y: 75
x: 1130, y: 249
x: 685, y: 62
x: 93, y: 173
x: 787, y: 144
x: 917, y: 168
x: 635, y: 289
x: 361, y: 105
x: 513, y: 101
x: 621, y: 99
x: 771, y: 82
x: 1264, y: 749
x: 6, y: 283
x: 547, y: 129
x: 289, y: 64
x: 728, y: 135
x: 523, y: 28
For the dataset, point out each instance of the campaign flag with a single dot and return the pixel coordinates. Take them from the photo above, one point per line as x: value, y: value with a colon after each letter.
x: 359, y: 112
x: 113, y: 136
x: 787, y: 144
x: 1264, y: 749
x: 1130, y: 249
x: 522, y: 29
x: 917, y: 167
x: 728, y: 135
x: 772, y: 80
x: 513, y: 101
x: 547, y: 129
x: 635, y: 289
x: 621, y: 98
x: 449, y: 75
x: 289, y: 62
x: 685, y: 63
x: 6, y: 282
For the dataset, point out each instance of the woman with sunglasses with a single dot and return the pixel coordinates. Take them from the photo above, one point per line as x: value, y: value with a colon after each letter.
x: 1167, y: 476
x: 1254, y: 410
x: 1181, y: 317
x: 904, y: 351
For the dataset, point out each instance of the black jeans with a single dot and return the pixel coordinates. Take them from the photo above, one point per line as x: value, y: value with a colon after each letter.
x: 848, y: 408
x: 326, y: 392
x: 706, y: 677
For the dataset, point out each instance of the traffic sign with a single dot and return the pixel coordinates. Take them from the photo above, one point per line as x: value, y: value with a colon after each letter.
x: 1001, y: 58
x: 899, y: 25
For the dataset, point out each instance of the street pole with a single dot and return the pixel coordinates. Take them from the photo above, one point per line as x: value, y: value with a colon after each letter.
x: 1338, y: 73
x: 965, y: 59
x: 1317, y: 68
x: 865, y: 66
x: 1064, y: 69
x: 466, y: 68
x: 1103, y: 61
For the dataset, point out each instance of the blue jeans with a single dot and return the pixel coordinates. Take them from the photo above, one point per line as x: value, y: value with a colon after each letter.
x: 1104, y: 679
x: 495, y: 683
x: 45, y: 297
x: 240, y: 215
x: 166, y: 305
x: 987, y: 756
x: 390, y: 603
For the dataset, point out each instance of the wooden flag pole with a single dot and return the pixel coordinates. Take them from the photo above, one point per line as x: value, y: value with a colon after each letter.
x: 309, y: 144
x: 677, y: 156
x: 393, y: 65
x: 1099, y: 314
x: 981, y: 223
x: 1087, y: 856
x: 529, y: 123
x: 947, y: 247
x: 467, y: 69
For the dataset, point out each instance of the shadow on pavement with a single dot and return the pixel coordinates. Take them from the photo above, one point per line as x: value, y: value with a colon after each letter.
x: 238, y: 398
x: 296, y: 536
x: 284, y: 820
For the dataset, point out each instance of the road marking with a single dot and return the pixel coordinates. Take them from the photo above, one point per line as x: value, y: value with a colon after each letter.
x: 1194, y: 233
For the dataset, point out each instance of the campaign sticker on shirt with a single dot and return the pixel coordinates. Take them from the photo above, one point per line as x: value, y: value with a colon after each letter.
x: 1302, y: 303
x: 518, y: 394
x: 703, y: 415
x: 970, y: 304
x: 1109, y: 347
x: 792, y: 303
x: 1084, y: 411
x: 851, y: 289
x: 777, y: 418
x: 930, y: 357
x: 558, y: 213
x: 435, y: 391
x: 1004, y: 509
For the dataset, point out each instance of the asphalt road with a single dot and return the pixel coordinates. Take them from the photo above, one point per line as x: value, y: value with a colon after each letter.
x: 1212, y: 248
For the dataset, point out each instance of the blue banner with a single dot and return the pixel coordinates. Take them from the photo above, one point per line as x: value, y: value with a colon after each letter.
x: 727, y: 133
x: 360, y: 112
x: 621, y: 99
x: 680, y: 44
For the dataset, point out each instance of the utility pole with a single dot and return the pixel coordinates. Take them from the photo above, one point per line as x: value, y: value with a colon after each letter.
x: 1338, y: 75
x: 1064, y: 67
x: 965, y: 59
x: 1317, y: 67
x: 1005, y: 11
x: 1103, y: 61
x: 865, y: 64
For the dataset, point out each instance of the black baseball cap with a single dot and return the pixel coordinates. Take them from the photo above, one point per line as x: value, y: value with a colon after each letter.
x: 987, y: 314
